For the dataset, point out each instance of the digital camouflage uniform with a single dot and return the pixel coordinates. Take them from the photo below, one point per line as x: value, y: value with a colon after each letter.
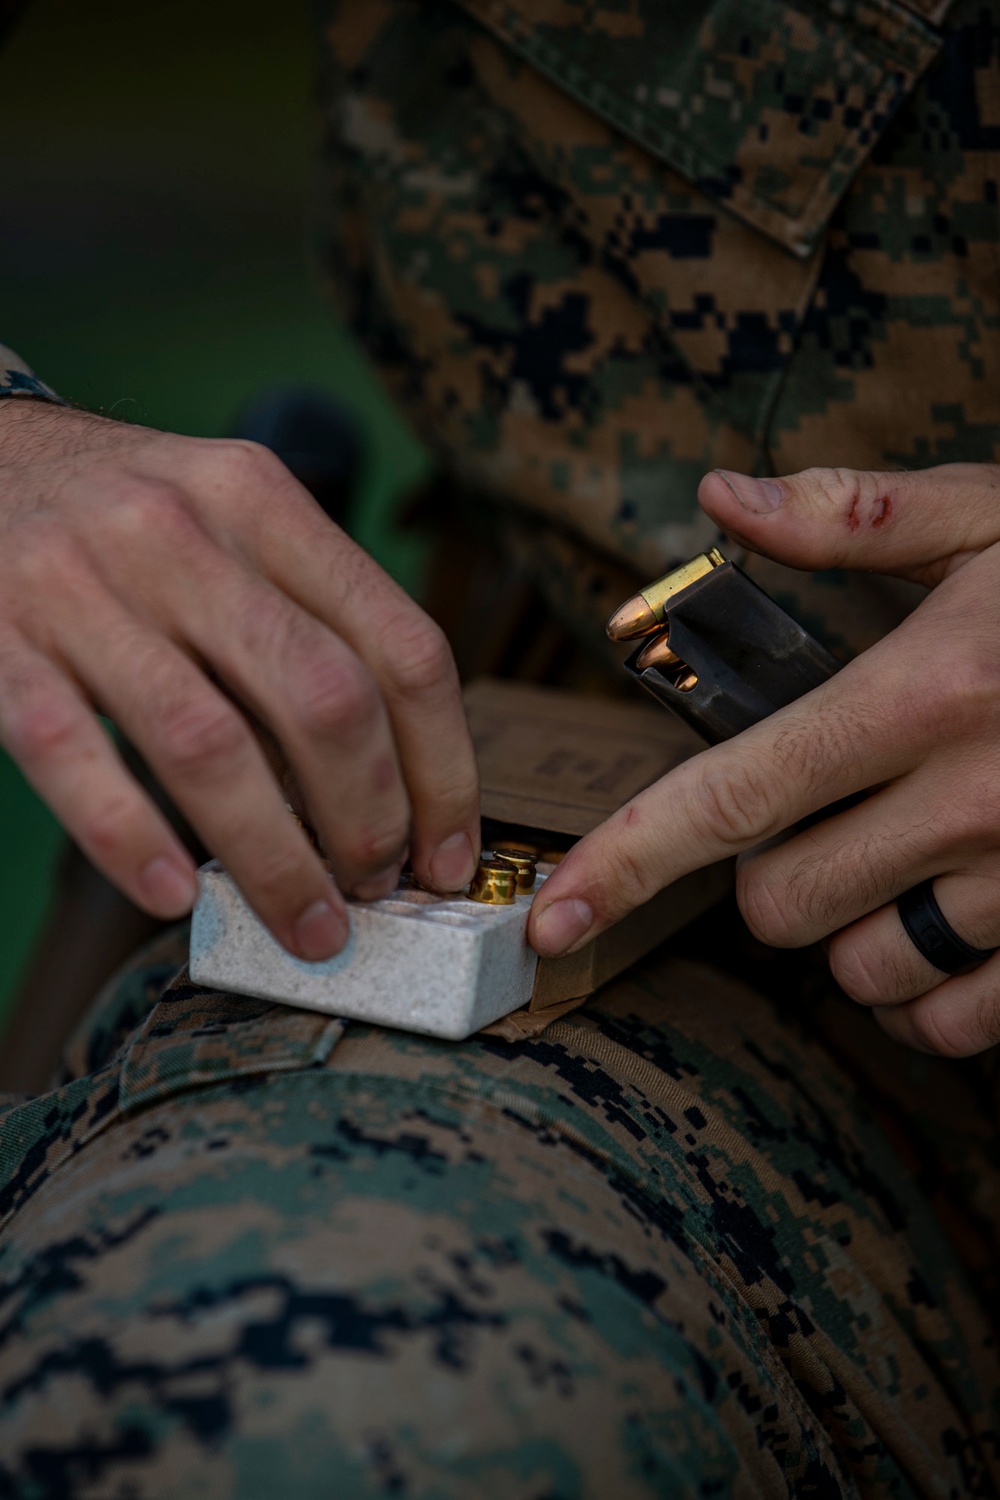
x: 692, y: 1240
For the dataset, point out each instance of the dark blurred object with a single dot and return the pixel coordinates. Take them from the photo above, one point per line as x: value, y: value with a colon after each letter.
x: 315, y: 437
x: 497, y: 620
x: 90, y: 931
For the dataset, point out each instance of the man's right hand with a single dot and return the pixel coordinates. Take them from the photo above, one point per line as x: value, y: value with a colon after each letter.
x: 170, y: 583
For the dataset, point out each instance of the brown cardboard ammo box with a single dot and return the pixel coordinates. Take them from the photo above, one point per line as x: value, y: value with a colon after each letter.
x: 553, y: 765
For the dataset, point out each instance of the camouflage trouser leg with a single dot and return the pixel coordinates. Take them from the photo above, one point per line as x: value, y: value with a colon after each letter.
x: 664, y: 1249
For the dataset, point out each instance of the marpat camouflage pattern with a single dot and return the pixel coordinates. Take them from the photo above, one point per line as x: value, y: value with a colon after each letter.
x: 607, y: 248
x: 664, y: 1249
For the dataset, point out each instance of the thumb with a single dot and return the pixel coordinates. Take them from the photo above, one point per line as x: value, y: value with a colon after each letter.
x: 917, y: 524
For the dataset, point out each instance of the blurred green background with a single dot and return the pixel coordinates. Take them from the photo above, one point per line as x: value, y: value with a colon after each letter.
x: 156, y: 164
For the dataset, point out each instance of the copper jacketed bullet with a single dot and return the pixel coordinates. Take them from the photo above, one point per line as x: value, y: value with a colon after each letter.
x: 658, y: 654
x: 644, y: 612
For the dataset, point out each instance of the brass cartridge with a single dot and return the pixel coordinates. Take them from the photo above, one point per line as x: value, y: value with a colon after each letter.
x: 644, y: 612
x: 525, y: 865
x: 494, y: 883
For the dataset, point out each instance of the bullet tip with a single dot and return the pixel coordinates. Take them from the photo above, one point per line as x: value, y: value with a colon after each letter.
x: 657, y: 654
x: 634, y: 618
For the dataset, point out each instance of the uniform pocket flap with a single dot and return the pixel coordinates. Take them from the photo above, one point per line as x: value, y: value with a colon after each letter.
x: 194, y: 1037
x: 769, y: 108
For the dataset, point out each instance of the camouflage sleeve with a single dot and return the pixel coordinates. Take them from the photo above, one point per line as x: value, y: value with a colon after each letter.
x: 16, y: 379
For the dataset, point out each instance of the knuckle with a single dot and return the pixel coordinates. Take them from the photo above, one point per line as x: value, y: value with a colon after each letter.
x: 200, y: 738
x: 849, y: 875
x: 626, y: 876
x: 839, y: 488
x: 945, y: 825
x: 44, y: 555
x: 44, y: 730
x: 814, y: 746
x: 976, y: 674
x: 375, y: 849
x: 988, y: 1018
x: 969, y: 822
x: 107, y: 829
x: 734, y: 805
x: 834, y: 484
x: 243, y: 463
x: 959, y: 691
x: 766, y: 909
x: 934, y: 1028
x: 859, y: 969
x: 332, y: 696
x: 147, y: 507
x: 419, y: 660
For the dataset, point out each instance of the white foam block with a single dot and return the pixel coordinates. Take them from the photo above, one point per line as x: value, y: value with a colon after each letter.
x: 440, y: 965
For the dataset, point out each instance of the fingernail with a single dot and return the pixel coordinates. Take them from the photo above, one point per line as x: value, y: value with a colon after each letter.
x: 168, y: 886
x: 559, y: 926
x: 377, y: 886
x: 320, y: 932
x: 758, y: 495
x: 453, y: 863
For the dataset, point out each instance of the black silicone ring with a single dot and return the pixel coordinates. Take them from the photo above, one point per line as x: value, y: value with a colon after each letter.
x: 933, y: 936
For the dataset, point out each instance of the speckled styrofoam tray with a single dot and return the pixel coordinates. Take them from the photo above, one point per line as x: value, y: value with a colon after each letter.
x: 441, y: 965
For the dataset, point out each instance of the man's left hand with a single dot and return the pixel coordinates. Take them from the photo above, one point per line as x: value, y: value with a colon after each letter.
x: 915, y: 721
